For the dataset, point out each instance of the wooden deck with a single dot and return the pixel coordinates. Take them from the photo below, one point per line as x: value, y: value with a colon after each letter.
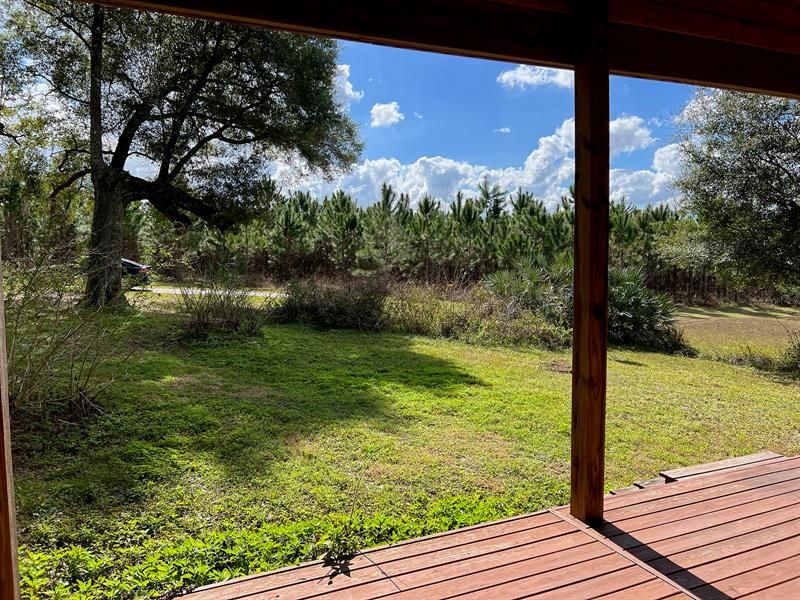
x: 730, y: 531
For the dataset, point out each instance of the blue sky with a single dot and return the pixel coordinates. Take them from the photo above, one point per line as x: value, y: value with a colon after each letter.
x: 437, y: 124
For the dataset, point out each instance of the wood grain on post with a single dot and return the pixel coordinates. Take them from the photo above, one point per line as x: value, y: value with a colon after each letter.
x: 590, y: 317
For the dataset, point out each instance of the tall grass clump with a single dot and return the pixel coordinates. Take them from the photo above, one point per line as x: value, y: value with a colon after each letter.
x: 222, y: 305
x: 789, y: 361
x: 425, y: 310
x: 367, y: 304
x: 471, y: 315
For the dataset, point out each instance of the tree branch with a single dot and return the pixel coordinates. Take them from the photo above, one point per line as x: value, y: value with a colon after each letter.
x: 125, y: 139
x: 201, y: 143
x: 62, y: 20
x: 95, y: 90
x: 60, y: 90
x: 172, y: 200
x: 5, y: 133
x: 69, y: 181
x: 188, y: 99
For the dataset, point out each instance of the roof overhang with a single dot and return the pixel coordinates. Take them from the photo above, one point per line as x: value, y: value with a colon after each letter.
x: 751, y: 45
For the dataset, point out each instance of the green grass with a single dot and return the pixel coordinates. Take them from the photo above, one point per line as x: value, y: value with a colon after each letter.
x: 740, y: 311
x: 238, y: 455
x: 740, y: 334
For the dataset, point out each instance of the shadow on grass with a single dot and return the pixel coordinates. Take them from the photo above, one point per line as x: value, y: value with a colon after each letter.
x: 244, y: 403
x: 626, y: 361
x: 705, y: 312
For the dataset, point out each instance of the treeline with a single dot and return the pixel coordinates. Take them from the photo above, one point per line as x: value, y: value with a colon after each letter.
x: 291, y: 235
x: 296, y: 235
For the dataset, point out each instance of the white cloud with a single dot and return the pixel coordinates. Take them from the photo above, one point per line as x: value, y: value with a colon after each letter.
x: 525, y: 76
x: 650, y: 186
x: 385, y: 115
x: 419, y: 115
x: 503, y: 130
x: 346, y: 94
x: 547, y: 172
x: 629, y: 133
x: 141, y: 167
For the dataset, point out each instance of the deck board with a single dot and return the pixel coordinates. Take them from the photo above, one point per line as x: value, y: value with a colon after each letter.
x: 542, y: 573
x: 686, y: 486
x: 654, y: 589
x: 721, y: 465
x: 694, y: 496
x: 726, y: 531
x: 730, y: 532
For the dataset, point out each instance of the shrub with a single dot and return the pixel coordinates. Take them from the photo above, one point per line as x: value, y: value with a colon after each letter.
x: 221, y: 306
x: 637, y: 315
x: 356, y: 303
x: 470, y: 315
x: 509, y: 325
x: 790, y: 359
x: 640, y: 316
x: 55, y: 345
x: 547, y: 291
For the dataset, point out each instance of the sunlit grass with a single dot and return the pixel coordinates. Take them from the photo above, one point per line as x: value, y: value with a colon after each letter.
x: 737, y: 332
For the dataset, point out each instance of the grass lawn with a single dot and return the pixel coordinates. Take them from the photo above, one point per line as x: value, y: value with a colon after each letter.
x: 212, y: 460
x: 732, y: 332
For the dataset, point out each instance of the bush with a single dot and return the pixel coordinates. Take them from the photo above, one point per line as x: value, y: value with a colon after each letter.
x: 368, y: 305
x: 637, y: 315
x: 353, y: 304
x: 790, y: 359
x: 546, y: 291
x: 640, y: 316
x: 528, y: 306
x: 471, y: 315
x: 509, y: 325
x: 55, y: 345
x: 221, y: 306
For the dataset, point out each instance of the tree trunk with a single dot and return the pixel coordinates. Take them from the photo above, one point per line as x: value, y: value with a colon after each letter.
x: 104, y: 270
x: 104, y: 276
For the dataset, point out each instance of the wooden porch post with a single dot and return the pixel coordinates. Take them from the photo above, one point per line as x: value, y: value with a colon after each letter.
x: 590, y: 317
x: 9, y: 576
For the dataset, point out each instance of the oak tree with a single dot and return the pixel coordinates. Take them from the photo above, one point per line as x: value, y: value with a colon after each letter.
x: 184, y: 113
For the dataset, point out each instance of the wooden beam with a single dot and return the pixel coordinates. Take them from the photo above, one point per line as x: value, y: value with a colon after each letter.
x: 590, y: 296
x: 9, y: 574
x: 766, y: 24
x: 653, y: 54
x: 462, y: 27
x: 718, y: 43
